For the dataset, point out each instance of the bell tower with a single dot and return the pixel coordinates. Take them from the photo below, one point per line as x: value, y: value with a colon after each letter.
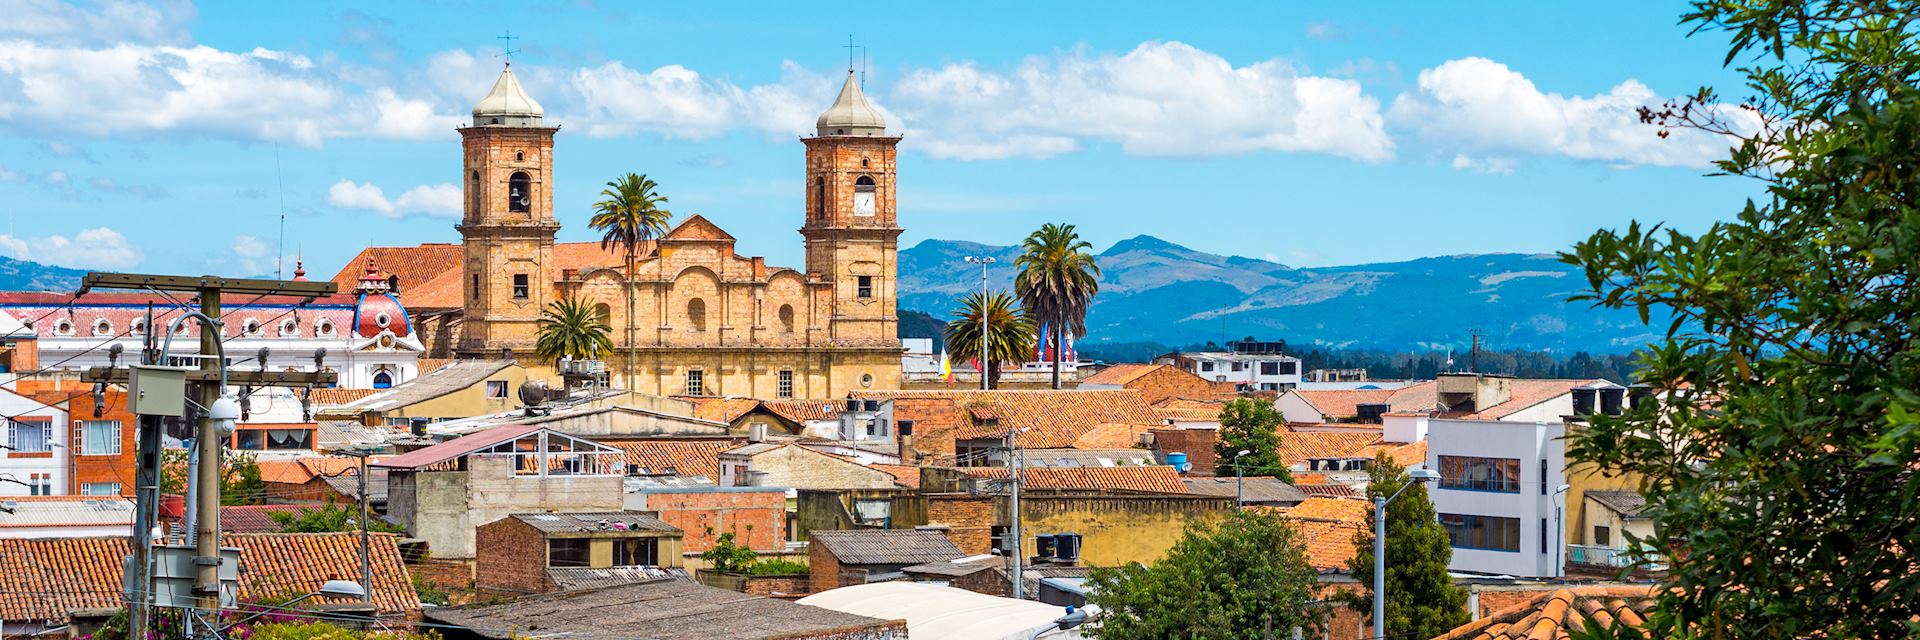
x: 851, y: 231
x: 508, y: 227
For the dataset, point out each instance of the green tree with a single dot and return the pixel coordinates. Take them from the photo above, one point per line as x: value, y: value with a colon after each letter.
x: 1240, y: 577
x: 1779, y: 464
x: 1009, y: 332
x: 630, y: 216
x: 240, y: 481
x: 1252, y: 426
x: 327, y: 518
x: 1422, y: 601
x: 1056, y: 283
x: 727, y: 556
x: 570, y: 328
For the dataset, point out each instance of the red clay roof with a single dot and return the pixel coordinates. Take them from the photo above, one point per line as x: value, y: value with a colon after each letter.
x: 430, y: 274
x: 1189, y: 409
x: 257, y: 518
x: 1333, y: 509
x: 903, y: 475
x: 684, y: 457
x: 719, y: 409
x: 1154, y: 479
x: 1405, y: 454
x: 1296, y: 447
x: 301, y: 470
x: 1328, y: 490
x: 1557, y: 614
x: 803, y: 410
x: 1056, y: 418
x: 1524, y: 393
x: 1339, y: 404
x: 44, y: 579
x: 1329, y: 545
x: 338, y: 395
x: 457, y: 447
x: 1120, y: 374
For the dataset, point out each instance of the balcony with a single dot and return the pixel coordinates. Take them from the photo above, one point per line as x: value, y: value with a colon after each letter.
x: 1591, y: 556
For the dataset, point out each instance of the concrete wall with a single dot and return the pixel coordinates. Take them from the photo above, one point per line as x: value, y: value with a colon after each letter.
x: 1595, y: 514
x: 802, y: 468
x: 443, y: 507
x: 1529, y: 443
x: 1114, y: 529
x: 470, y: 401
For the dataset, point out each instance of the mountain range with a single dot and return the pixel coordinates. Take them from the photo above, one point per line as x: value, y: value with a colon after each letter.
x: 26, y: 275
x: 1158, y: 291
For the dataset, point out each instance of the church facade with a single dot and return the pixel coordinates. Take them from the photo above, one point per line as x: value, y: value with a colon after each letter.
x: 708, y: 321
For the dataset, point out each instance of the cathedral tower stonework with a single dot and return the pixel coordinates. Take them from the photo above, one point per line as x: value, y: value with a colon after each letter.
x: 508, y: 228
x: 851, y: 231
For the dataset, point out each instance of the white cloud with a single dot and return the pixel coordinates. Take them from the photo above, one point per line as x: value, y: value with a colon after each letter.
x: 1324, y: 31
x: 57, y: 177
x: 9, y: 175
x: 438, y: 200
x: 1482, y: 110
x: 1160, y: 99
x: 97, y: 248
x: 247, y: 246
x: 1490, y: 164
x: 100, y: 21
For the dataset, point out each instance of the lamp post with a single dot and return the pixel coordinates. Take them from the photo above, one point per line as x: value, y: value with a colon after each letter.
x: 1018, y: 551
x: 1239, y: 482
x: 1414, y: 476
x: 346, y: 589
x: 983, y: 261
x: 1559, y: 531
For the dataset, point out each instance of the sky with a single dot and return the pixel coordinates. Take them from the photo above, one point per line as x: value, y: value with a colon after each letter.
x: 174, y: 137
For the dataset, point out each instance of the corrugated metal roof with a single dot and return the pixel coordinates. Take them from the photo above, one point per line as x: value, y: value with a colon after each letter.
x: 457, y: 447
x: 455, y: 376
x: 571, y: 578
x: 597, y: 521
x: 71, y: 511
x: 888, y: 546
x: 657, y: 610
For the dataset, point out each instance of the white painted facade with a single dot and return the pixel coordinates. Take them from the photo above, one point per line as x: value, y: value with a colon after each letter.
x: 38, y: 452
x: 1249, y: 371
x: 1536, y: 505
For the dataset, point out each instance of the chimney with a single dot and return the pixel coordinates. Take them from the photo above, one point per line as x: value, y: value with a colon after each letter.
x: 907, y: 454
x: 757, y: 432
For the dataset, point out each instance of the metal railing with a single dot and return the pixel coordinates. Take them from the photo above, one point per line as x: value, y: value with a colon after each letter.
x: 1598, y: 556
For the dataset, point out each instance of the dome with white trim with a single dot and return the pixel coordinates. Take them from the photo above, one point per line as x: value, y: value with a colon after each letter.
x: 507, y: 104
x: 851, y: 114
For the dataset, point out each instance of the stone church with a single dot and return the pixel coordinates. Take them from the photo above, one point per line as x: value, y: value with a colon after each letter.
x: 709, y: 321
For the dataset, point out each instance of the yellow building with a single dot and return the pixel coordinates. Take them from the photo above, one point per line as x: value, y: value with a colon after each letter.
x: 707, y: 321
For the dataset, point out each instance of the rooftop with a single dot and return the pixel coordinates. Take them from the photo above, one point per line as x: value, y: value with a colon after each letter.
x: 887, y: 546
x: 65, y: 511
x: 1149, y: 479
x: 1344, y: 403
x: 595, y: 522
x: 1626, y: 503
x: 1056, y: 419
x: 457, y: 447
x: 1121, y: 374
x: 1261, y: 489
x: 658, y: 610
x: 934, y: 612
x: 662, y: 456
x: 1557, y: 615
x: 454, y: 376
x: 851, y: 114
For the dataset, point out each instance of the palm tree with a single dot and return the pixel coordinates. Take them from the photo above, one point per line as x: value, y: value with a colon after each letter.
x: 631, y: 215
x: 1056, y: 283
x: 1009, y: 332
x: 570, y: 328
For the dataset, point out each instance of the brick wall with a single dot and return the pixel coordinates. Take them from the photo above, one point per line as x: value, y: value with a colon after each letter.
x: 969, y: 521
x: 1196, y: 443
x: 510, y: 556
x: 1173, y: 382
x: 786, y: 585
x: 823, y: 568
x: 116, y: 467
x: 990, y: 582
x: 758, y: 519
x: 449, y: 575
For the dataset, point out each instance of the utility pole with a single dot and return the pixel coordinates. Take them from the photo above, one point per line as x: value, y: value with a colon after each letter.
x: 211, y: 378
x: 366, y: 563
x: 1019, y: 550
x: 146, y: 500
x: 985, y: 363
x: 1473, y: 358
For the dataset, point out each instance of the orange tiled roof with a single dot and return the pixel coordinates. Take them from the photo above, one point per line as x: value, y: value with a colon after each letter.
x: 1555, y: 615
x: 803, y: 410
x: 1057, y: 418
x: 1120, y: 374
x: 338, y: 396
x: 43, y: 579
x: 685, y: 457
x: 430, y: 274
x: 1309, y: 478
x: 1296, y: 447
x: 1405, y: 454
x: 903, y: 475
x: 720, y: 409
x: 1340, y: 404
x: 1328, y: 490
x: 1154, y: 479
x: 1189, y: 409
x: 1330, y: 509
x: 258, y: 518
x: 301, y: 470
x: 1329, y: 545
x: 1524, y: 393
x: 1111, y: 435
x: 935, y: 420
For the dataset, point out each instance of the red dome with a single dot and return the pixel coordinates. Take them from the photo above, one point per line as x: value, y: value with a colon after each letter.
x: 380, y: 311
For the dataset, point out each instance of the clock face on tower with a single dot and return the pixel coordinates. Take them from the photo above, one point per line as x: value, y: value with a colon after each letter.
x: 863, y: 203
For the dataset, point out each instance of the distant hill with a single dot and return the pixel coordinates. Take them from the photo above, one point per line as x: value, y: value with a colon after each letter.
x: 1154, y: 290
x: 24, y: 275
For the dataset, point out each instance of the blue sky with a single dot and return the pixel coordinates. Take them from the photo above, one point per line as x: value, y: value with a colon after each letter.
x: 166, y: 136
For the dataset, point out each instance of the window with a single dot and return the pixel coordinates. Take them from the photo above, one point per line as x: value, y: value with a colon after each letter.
x: 1206, y: 366
x: 1239, y: 366
x: 568, y: 552
x: 1543, y: 536
x: 519, y: 156
x: 473, y: 194
x: 473, y: 291
x: 1289, y: 367
x: 697, y: 315
x: 865, y: 287
x: 519, y: 286
x: 1500, y: 475
x: 603, y: 313
x: 40, y: 484
x: 786, y: 318
x: 496, y: 388
x: 1269, y: 368
x: 1602, y: 535
x: 100, y: 438
x: 274, y: 440
x: 784, y: 387
x: 382, y: 380
x: 519, y: 193
x: 641, y: 552
x: 819, y: 197
x: 696, y: 382
x: 863, y: 196
x: 1543, y: 476
x: 99, y: 488
x: 33, y: 435
x: 1482, y: 532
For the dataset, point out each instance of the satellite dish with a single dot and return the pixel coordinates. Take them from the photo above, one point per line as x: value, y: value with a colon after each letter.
x: 533, y: 393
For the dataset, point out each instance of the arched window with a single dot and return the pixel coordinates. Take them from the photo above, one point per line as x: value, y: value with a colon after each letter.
x: 102, y: 328
x: 603, y: 313
x: 697, y: 314
x: 863, y: 196
x: 382, y: 380
x: 519, y: 193
x: 519, y: 156
x: 786, y: 318
x: 473, y: 194
x: 819, y: 197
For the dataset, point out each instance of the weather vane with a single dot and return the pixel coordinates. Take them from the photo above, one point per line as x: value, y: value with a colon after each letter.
x: 508, y: 53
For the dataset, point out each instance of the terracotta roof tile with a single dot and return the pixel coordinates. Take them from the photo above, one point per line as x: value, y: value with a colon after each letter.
x: 1189, y: 409
x: 1524, y: 393
x: 333, y: 396
x: 430, y: 273
x: 1057, y: 418
x: 1341, y: 404
x: 1328, y: 490
x: 1111, y: 435
x: 1153, y: 479
x: 720, y: 409
x: 1329, y: 545
x: 903, y: 475
x: 257, y: 518
x: 1405, y: 454
x: 1557, y: 614
x: 1296, y: 447
x: 684, y: 457
x: 802, y: 411
x: 44, y: 579
x: 1120, y: 374
x: 1332, y: 509
x: 1309, y: 478
x: 301, y: 470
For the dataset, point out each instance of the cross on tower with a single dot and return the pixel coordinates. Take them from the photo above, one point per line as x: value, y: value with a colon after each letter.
x: 850, y: 48
x: 508, y: 53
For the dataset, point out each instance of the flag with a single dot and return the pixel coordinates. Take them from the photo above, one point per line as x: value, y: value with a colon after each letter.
x: 946, y: 367
x: 1069, y: 354
x: 1040, y: 346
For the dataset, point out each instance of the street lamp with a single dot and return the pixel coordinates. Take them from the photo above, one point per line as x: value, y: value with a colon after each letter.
x: 1414, y: 476
x: 983, y: 261
x: 345, y: 589
x: 1075, y: 617
x: 1239, y: 481
x: 1559, y: 531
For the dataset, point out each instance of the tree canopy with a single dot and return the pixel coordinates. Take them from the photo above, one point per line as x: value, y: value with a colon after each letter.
x: 1009, y: 331
x: 1778, y: 462
x: 1240, y: 577
x: 1056, y: 282
x: 1422, y: 601
x: 1252, y: 426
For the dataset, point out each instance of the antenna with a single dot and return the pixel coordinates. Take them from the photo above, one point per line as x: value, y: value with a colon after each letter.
x: 850, y: 48
x: 1473, y: 359
x: 509, y: 51
x: 865, y: 61
x: 280, y: 252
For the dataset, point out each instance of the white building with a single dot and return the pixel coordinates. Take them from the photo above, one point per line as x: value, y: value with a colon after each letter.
x: 365, y: 335
x: 1250, y: 366
x: 1498, y: 445
x: 38, y: 455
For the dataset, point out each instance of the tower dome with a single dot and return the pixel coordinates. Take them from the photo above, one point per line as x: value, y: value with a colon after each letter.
x: 851, y: 114
x: 507, y: 104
